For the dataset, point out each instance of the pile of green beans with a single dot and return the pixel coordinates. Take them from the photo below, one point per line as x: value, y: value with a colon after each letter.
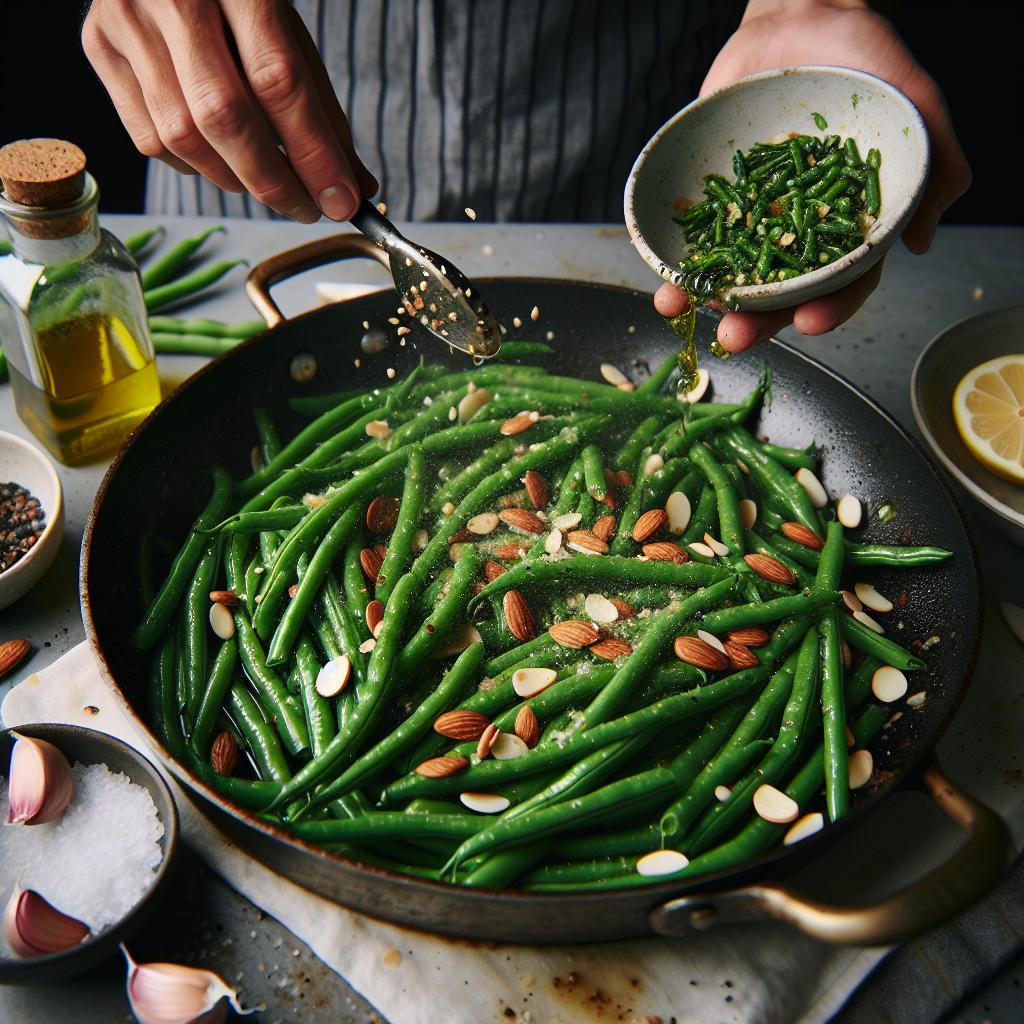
x: 395, y: 541
x: 793, y: 207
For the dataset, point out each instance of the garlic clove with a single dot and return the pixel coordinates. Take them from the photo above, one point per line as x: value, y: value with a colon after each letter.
x: 34, y: 927
x: 40, y: 786
x: 175, y: 994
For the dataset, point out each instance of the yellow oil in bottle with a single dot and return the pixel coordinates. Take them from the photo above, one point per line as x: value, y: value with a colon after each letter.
x: 98, y: 385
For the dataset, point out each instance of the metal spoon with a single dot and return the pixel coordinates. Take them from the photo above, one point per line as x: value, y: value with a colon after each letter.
x: 434, y: 291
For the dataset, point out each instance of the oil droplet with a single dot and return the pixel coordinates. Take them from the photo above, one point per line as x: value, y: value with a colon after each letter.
x: 683, y: 326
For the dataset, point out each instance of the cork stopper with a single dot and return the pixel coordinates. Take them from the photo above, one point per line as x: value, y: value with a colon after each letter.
x: 46, y: 174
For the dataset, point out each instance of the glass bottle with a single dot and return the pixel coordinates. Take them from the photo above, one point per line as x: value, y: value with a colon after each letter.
x: 72, y: 317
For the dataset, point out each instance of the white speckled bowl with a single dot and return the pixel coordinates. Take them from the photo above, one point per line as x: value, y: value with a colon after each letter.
x: 702, y: 137
x: 25, y: 464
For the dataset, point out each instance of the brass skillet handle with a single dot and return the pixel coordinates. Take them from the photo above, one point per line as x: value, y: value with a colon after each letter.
x: 947, y: 890
x: 287, y: 264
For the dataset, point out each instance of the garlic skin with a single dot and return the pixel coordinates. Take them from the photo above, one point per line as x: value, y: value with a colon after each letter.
x: 40, y: 784
x: 175, y: 994
x: 34, y: 927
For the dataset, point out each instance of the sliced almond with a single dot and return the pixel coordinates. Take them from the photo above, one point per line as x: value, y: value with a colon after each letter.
x: 649, y: 524
x: 624, y: 608
x: 574, y: 633
x: 1013, y: 616
x: 665, y: 551
x: 812, y: 485
x: 222, y: 622
x: 382, y: 514
x: 516, y: 425
x: 748, y: 513
x: 374, y: 616
x: 712, y: 640
x: 461, y: 724
x: 508, y: 746
x: 678, y: 512
x: 378, y: 430
x: 528, y: 682
x: 888, y: 684
x: 585, y: 542
x: 536, y: 489
x: 334, y: 676
x: 485, y: 803
x: 652, y: 464
x: 804, y: 827
x: 750, y: 636
x: 861, y: 765
x: 367, y: 645
x: 849, y: 511
x: 740, y: 656
x: 553, y: 542
x: 527, y: 728
x: 483, y: 524
x: 567, y: 521
x: 604, y: 528
x: 465, y: 636
x: 471, y: 404
x: 720, y: 549
x: 611, y: 648
x: 486, y: 741
x: 851, y: 600
x: 916, y: 700
x: 518, y: 616
x: 846, y: 654
x: 695, y: 651
x: 871, y: 598
x: 696, y: 393
x: 441, y: 767
x: 661, y: 862
x: 802, y: 535
x: 700, y: 548
x: 520, y: 520
x: 770, y: 569
x: 722, y: 793
x: 774, y: 805
x: 600, y: 609
x: 614, y: 375
x: 866, y: 620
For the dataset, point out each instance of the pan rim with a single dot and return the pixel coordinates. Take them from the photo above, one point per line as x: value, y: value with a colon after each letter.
x: 758, y: 867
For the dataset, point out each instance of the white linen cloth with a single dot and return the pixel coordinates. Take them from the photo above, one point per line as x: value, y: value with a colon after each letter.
x: 755, y: 974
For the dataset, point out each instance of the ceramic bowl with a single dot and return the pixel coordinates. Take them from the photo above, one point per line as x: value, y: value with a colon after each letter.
x: 24, y: 463
x: 703, y: 136
x: 938, y: 370
x: 91, y: 747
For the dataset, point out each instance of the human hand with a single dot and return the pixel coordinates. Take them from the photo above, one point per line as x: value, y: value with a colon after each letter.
x: 846, y: 33
x: 185, y: 97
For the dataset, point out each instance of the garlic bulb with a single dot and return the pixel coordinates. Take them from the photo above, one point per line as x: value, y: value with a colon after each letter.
x: 40, y: 785
x: 34, y: 927
x: 175, y: 994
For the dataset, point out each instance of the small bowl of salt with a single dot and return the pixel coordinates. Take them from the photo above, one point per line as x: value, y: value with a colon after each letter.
x: 88, y: 829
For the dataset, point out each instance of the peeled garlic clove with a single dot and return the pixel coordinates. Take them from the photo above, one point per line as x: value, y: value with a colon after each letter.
x: 34, y: 927
x: 40, y: 785
x: 174, y: 994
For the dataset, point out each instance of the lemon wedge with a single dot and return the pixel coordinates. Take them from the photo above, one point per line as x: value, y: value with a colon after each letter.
x: 988, y: 407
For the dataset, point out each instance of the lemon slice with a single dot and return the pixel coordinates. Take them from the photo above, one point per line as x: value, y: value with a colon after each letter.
x: 988, y: 406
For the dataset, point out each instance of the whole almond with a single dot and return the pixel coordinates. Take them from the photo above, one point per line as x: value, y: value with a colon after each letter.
x: 611, y: 648
x: 370, y: 562
x: 585, y: 542
x: 750, y: 636
x: 374, y: 615
x: 649, y: 524
x: 802, y: 535
x: 12, y: 653
x: 527, y: 728
x: 382, y: 514
x: 516, y: 425
x: 463, y: 537
x: 486, y: 741
x: 770, y: 569
x: 740, y: 656
x: 609, y: 500
x: 604, y: 528
x: 224, y: 754
x: 521, y: 519
x: 695, y: 651
x: 461, y: 725
x: 228, y: 598
x: 536, y: 489
x: 492, y: 569
x: 623, y: 478
x: 665, y: 551
x: 624, y: 608
x: 518, y: 616
x: 574, y: 633
x: 509, y: 552
x: 441, y: 767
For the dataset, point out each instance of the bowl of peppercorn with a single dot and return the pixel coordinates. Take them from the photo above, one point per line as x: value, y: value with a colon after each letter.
x: 31, y: 516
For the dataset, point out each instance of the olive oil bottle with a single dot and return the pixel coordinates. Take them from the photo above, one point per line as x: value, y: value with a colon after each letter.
x: 72, y: 316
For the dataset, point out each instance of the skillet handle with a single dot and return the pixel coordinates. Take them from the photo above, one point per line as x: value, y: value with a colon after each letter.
x: 287, y: 264
x: 947, y: 890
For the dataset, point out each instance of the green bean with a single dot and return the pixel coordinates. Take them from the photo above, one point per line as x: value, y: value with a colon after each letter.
x: 270, y: 442
x: 319, y: 719
x: 221, y: 675
x: 280, y: 517
x: 872, y: 192
x: 522, y: 350
x: 792, y: 458
x: 865, y: 639
x: 133, y: 243
x: 163, y: 696
x: 357, y: 594
x: 183, y: 287
x: 387, y: 825
x: 260, y: 738
x: 882, y: 554
x: 701, y: 516
x: 593, y: 472
x: 726, y: 619
x: 410, y: 510
x: 463, y: 482
x: 211, y: 328
x: 197, y: 612
x: 170, y: 264
x: 659, y: 378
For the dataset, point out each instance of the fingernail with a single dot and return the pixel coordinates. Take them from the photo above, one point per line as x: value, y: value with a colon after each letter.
x: 304, y: 213
x: 338, y: 202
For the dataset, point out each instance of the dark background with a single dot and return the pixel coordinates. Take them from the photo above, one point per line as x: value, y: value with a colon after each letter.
x: 48, y: 89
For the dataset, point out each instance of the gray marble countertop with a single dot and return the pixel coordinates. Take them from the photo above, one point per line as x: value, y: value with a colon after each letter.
x: 969, y: 270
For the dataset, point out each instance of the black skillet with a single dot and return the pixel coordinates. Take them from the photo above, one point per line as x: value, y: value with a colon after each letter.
x: 158, y: 481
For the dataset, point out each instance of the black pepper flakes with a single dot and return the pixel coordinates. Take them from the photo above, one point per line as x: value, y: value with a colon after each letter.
x: 22, y: 520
